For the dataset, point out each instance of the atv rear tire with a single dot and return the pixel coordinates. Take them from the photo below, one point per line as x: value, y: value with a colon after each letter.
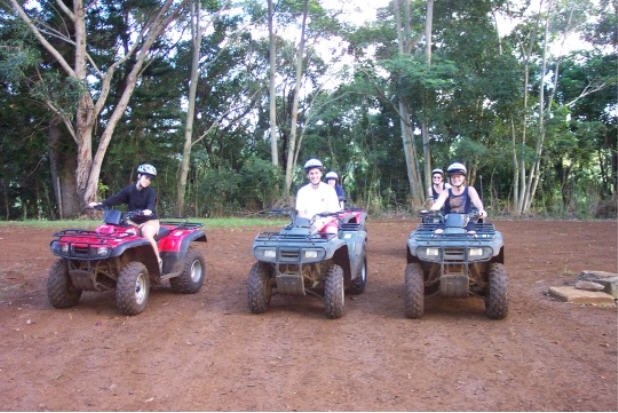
x: 193, y: 272
x: 259, y: 289
x: 496, y: 302
x: 60, y: 289
x: 414, y: 291
x: 334, y: 295
x: 359, y: 283
x: 132, y: 288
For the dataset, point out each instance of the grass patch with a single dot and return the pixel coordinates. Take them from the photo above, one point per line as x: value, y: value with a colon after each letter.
x: 209, y: 223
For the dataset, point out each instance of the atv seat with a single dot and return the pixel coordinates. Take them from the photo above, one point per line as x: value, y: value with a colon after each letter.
x: 162, y: 232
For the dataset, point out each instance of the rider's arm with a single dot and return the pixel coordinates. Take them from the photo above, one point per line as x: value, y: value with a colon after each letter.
x: 301, y: 203
x: 430, y: 199
x: 439, y: 203
x: 118, y: 198
x: 476, y: 201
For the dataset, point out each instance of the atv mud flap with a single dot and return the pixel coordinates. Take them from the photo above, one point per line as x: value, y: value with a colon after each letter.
x: 289, y: 282
x: 454, y: 281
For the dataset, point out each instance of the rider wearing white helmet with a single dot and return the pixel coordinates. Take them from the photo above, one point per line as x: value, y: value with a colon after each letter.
x: 140, y: 196
x: 459, y: 198
x: 333, y: 180
x: 437, y: 185
x: 316, y: 196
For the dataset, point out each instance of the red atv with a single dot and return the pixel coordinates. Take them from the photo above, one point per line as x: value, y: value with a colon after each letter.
x: 113, y: 256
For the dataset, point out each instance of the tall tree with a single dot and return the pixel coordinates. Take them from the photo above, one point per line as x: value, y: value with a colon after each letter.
x: 196, y: 41
x: 81, y: 124
x: 272, y: 99
x: 298, y: 63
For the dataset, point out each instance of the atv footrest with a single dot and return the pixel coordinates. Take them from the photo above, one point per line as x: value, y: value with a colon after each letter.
x: 291, y: 284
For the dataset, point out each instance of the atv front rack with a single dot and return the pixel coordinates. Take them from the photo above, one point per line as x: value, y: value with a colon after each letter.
x: 482, y: 230
x: 88, y: 233
x: 276, y: 236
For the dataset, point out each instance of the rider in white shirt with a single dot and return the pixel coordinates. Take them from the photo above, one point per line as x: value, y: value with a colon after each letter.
x: 316, y: 196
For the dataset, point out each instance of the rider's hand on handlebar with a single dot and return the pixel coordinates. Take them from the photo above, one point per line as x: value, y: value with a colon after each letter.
x: 147, y: 212
x: 482, y: 213
x: 94, y: 204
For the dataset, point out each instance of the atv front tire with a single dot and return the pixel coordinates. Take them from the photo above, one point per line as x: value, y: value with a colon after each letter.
x: 192, y: 277
x: 414, y: 294
x: 60, y: 289
x: 334, y: 295
x: 259, y: 289
x: 132, y: 288
x: 496, y: 302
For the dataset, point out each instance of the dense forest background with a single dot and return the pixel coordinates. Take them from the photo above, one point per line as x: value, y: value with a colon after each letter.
x: 228, y: 98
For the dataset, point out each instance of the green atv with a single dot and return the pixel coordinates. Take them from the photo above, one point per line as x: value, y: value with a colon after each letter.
x: 455, y: 255
x: 299, y: 261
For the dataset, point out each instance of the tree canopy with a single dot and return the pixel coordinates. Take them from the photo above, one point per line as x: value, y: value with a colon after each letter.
x: 91, y: 90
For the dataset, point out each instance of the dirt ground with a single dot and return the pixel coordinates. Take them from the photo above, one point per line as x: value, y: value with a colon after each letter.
x: 207, y: 352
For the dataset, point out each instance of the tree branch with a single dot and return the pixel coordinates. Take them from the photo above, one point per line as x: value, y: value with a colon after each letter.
x: 63, y: 63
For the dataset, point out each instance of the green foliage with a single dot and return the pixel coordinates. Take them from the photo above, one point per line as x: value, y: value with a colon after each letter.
x: 471, y: 96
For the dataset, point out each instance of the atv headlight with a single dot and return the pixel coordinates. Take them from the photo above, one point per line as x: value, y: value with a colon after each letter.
x: 432, y: 252
x: 479, y: 252
x: 475, y: 252
x: 102, y: 251
x: 311, y: 254
x: 269, y: 253
x: 428, y: 253
x: 64, y: 248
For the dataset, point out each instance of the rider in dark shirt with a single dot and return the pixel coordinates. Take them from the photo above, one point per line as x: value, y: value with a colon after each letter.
x: 140, y: 196
x: 460, y: 197
x: 136, y: 199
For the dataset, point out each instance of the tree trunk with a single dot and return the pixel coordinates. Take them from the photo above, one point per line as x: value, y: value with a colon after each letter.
x: 519, y: 208
x: 289, y: 170
x: 515, y: 166
x: 53, y: 136
x: 425, y: 124
x: 196, y: 36
x: 407, y: 136
x: 272, y: 57
x: 546, y: 112
x: 5, y: 192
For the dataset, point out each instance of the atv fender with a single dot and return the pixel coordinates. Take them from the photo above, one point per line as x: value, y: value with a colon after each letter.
x: 356, y: 241
x: 171, y: 258
x: 341, y: 257
x: 120, y: 249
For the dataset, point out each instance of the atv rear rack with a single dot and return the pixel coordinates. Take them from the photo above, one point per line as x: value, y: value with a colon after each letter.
x: 182, y: 224
x: 350, y: 226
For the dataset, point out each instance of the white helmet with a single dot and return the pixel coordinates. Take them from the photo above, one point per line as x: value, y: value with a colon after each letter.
x: 147, y: 169
x: 331, y: 175
x: 437, y: 171
x: 457, y: 168
x: 313, y: 163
